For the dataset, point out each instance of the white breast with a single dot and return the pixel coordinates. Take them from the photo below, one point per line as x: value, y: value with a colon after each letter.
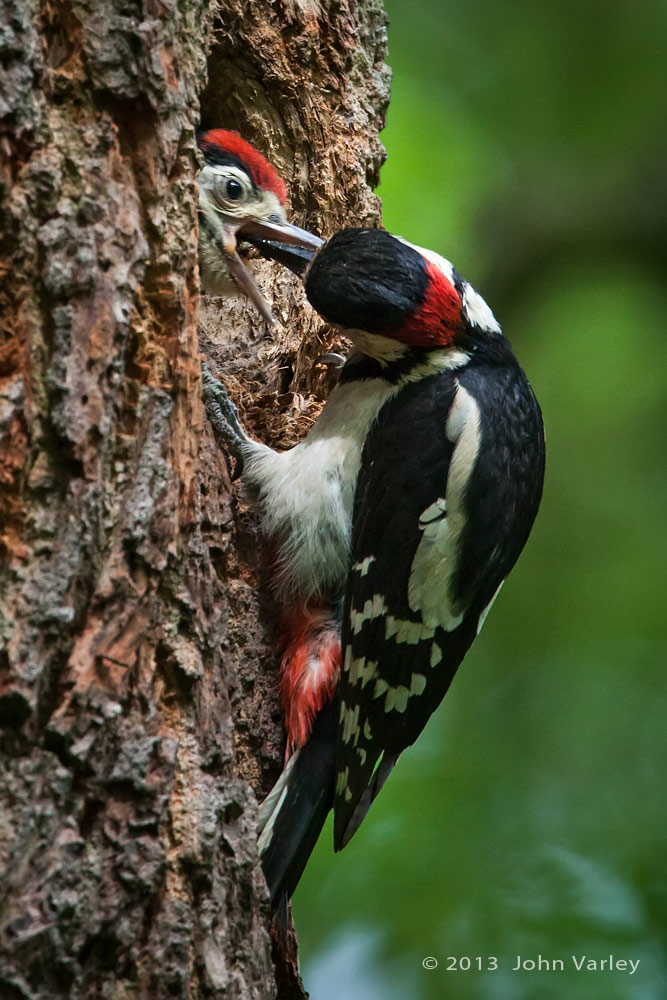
x: 306, y: 494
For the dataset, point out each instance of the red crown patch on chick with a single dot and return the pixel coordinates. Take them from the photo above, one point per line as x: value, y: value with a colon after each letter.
x: 260, y: 171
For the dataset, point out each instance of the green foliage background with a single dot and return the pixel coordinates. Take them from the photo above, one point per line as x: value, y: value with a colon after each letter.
x: 527, y: 144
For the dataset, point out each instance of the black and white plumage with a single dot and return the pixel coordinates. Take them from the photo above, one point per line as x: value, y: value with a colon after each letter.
x: 410, y: 500
x: 438, y: 522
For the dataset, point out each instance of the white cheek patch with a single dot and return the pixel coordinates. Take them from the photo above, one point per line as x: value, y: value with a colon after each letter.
x: 478, y: 312
x: 271, y: 205
x: 260, y: 205
x: 442, y: 523
x: 213, y: 178
x: 475, y: 308
x: 442, y: 264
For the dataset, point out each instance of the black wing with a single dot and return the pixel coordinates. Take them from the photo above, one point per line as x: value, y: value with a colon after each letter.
x: 449, y: 486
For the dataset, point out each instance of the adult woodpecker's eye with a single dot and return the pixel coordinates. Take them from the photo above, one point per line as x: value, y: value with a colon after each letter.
x: 233, y: 189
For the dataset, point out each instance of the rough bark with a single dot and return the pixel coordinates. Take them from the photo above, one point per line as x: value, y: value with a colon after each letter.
x: 138, y: 713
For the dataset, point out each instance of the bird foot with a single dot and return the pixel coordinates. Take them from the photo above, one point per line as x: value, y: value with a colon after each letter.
x: 225, y: 418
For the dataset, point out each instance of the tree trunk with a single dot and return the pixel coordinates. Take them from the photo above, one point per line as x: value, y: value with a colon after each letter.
x: 139, y: 721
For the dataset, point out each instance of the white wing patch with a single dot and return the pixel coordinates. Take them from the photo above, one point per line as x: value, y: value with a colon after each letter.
x: 361, y: 671
x: 342, y: 787
x: 373, y: 608
x: 362, y: 567
x: 402, y: 630
x: 442, y: 523
x: 380, y: 688
x: 437, y: 509
x: 396, y: 698
x: 349, y: 720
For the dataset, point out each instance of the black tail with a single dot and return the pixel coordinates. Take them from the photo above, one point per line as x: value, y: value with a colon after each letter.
x: 293, y: 813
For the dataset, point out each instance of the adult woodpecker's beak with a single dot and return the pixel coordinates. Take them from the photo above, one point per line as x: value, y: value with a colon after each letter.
x: 228, y: 230
x: 294, y: 256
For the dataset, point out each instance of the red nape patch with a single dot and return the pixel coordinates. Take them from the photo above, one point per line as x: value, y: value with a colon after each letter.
x: 263, y: 174
x: 435, y: 322
x: 309, y: 671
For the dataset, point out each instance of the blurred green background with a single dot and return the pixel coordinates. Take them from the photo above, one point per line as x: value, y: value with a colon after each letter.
x: 527, y: 143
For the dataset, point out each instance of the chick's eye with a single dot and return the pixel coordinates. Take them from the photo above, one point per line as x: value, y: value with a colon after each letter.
x: 233, y: 190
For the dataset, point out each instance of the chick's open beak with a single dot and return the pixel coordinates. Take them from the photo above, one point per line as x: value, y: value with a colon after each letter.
x: 227, y: 231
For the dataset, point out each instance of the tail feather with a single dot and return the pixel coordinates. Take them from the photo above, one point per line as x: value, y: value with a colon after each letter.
x: 270, y: 807
x: 343, y: 834
x: 293, y: 814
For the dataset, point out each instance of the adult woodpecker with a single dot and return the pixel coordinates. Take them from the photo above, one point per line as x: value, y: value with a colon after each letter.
x: 393, y: 524
x: 240, y: 193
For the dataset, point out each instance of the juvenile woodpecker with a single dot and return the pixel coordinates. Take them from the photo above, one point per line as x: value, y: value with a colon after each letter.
x: 393, y: 524
x: 240, y: 193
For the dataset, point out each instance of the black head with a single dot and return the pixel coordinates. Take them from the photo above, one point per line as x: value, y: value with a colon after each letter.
x: 365, y: 279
